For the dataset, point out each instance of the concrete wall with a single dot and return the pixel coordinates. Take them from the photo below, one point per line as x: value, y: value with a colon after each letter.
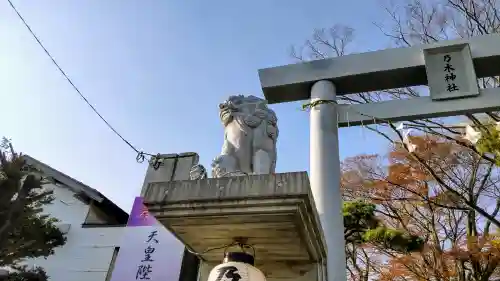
x: 88, y: 251
x: 174, y: 167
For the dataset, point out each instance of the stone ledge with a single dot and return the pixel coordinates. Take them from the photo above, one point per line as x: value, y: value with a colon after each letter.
x: 275, y: 212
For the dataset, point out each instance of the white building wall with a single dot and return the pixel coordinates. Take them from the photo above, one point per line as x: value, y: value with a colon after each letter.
x: 87, y: 254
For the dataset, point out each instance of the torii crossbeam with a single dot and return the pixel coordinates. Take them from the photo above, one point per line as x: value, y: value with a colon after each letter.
x: 449, y: 68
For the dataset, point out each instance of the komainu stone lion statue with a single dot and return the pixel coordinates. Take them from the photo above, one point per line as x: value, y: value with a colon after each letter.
x: 250, y: 135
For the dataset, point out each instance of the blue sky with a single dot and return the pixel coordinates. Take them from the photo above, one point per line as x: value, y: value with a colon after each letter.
x: 156, y: 70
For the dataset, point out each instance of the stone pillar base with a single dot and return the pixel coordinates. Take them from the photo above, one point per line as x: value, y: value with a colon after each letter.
x: 274, y: 213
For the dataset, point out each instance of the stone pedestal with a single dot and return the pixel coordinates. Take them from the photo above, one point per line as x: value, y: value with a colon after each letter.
x: 276, y: 213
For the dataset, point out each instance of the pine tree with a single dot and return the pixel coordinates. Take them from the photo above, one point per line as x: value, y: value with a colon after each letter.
x: 25, y: 231
x: 362, y: 226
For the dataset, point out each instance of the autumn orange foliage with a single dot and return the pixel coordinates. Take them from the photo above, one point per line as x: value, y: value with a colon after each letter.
x: 459, y: 243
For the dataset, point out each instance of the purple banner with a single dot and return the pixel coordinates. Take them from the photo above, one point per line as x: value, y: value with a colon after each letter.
x: 148, y: 250
x: 139, y: 216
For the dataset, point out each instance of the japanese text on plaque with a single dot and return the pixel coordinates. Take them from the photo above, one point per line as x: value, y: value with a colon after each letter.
x: 449, y: 75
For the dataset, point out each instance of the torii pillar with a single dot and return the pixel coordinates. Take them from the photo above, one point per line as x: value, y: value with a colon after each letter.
x: 387, y: 69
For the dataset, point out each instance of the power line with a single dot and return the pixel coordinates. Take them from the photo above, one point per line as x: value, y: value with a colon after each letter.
x: 140, y: 155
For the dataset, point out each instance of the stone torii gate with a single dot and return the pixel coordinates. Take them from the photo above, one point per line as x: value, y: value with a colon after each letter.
x: 449, y: 68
